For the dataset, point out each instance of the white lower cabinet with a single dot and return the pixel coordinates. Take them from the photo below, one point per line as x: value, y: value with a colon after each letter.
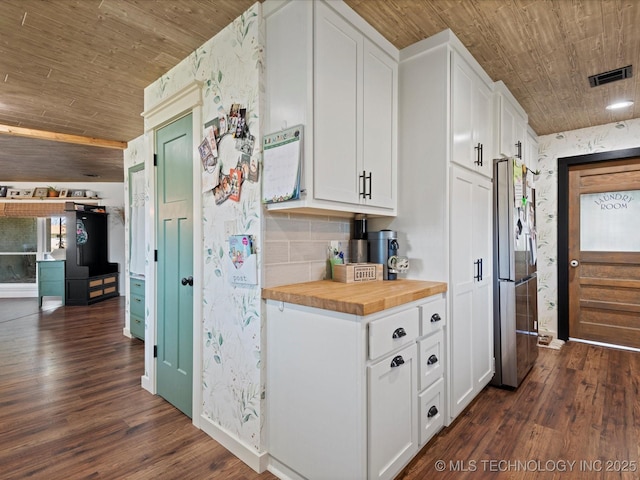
x: 393, y: 410
x: 353, y: 397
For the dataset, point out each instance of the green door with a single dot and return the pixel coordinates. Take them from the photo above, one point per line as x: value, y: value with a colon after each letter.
x: 174, y: 149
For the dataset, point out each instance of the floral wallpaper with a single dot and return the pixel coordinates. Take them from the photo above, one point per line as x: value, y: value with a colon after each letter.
x: 613, y: 136
x: 230, y: 67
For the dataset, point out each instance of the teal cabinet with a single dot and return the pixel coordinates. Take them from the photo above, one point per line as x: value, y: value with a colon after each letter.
x: 136, y: 308
x: 51, y: 279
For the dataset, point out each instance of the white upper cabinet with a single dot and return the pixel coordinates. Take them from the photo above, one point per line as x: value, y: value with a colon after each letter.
x: 511, y: 123
x: 330, y: 71
x: 471, y: 118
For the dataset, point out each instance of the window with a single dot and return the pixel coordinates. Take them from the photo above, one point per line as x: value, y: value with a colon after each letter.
x: 23, y: 240
x: 18, y: 250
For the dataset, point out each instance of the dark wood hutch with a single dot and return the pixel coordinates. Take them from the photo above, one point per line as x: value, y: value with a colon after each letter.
x: 89, y: 276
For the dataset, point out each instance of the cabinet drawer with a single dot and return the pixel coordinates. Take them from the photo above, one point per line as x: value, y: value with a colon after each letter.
x: 136, y: 306
x: 431, y: 411
x: 389, y: 333
x: 431, y: 358
x: 137, y: 287
x: 95, y: 293
x: 109, y: 280
x: 137, y: 327
x: 55, y: 273
x: 433, y: 316
x: 95, y: 283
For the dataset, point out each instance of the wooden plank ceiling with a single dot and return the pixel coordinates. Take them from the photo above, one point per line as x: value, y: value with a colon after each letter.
x: 79, y: 67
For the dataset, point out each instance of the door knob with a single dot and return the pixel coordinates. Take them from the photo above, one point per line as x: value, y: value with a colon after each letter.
x: 574, y: 263
x: 187, y: 281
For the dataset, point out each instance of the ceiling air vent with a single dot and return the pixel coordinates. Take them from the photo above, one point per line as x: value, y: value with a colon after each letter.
x: 611, y: 76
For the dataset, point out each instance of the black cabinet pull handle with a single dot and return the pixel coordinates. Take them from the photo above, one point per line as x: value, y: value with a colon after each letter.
x: 432, y: 359
x: 477, y: 268
x: 369, y: 178
x: 363, y: 189
x: 399, y: 333
x: 519, y: 149
x: 435, y: 317
x: 480, y: 270
x: 433, y: 411
x: 397, y: 361
x: 187, y: 281
x: 478, y: 149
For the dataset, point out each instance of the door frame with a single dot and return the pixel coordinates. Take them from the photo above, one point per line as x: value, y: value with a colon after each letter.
x: 563, y: 224
x: 184, y: 101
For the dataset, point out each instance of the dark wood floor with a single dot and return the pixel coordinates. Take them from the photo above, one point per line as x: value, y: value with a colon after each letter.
x: 71, y: 407
x: 580, y: 404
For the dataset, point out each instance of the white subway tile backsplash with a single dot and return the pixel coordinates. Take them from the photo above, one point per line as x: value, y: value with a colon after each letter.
x: 295, y: 246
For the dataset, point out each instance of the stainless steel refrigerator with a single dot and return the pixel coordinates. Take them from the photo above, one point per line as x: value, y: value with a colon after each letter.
x: 515, y: 288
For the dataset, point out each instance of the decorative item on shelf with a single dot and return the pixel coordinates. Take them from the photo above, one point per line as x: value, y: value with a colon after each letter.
x: 14, y: 193
x: 52, y: 192
x: 81, y: 233
x: 41, y: 192
x: 27, y: 192
x: 3, y: 191
x: 90, y: 194
x: 78, y: 193
x: 64, y: 193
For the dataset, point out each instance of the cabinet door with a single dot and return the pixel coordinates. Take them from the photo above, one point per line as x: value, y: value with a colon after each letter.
x: 462, y: 285
x: 379, y: 127
x: 507, y: 125
x: 471, y: 323
x: 337, y: 100
x: 461, y: 116
x: 482, y: 106
x: 513, y: 130
x: 471, y: 118
x: 482, y: 326
x: 393, y: 413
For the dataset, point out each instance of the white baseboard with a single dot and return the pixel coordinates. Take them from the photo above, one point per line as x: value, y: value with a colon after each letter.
x: 256, y: 460
x: 126, y: 332
x: 145, y: 382
x: 19, y: 290
x: 282, y: 471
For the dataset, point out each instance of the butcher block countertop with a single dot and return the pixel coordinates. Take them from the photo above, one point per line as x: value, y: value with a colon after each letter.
x: 354, y: 298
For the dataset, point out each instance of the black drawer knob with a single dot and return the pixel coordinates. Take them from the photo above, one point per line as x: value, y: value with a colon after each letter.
x: 399, y: 333
x: 435, y: 317
x: 397, y: 361
x: 432, y: 359
x: 433, y: 411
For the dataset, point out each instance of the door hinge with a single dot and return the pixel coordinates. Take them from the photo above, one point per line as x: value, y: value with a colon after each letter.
x: 155, y: 351
x: 155, y: 255
x: 155, y: 159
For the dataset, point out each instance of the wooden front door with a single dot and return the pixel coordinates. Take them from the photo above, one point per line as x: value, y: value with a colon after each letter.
x: 604, y: 252
x: 174, y: 147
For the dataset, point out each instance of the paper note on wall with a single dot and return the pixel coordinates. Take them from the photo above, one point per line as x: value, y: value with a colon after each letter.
x: 281, y: 165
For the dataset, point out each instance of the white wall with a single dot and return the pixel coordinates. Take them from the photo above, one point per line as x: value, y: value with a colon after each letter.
x: 111, y: 195
x: 613, y: 136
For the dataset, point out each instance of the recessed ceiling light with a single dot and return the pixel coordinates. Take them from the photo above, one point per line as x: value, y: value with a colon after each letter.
x: 618, y: 105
